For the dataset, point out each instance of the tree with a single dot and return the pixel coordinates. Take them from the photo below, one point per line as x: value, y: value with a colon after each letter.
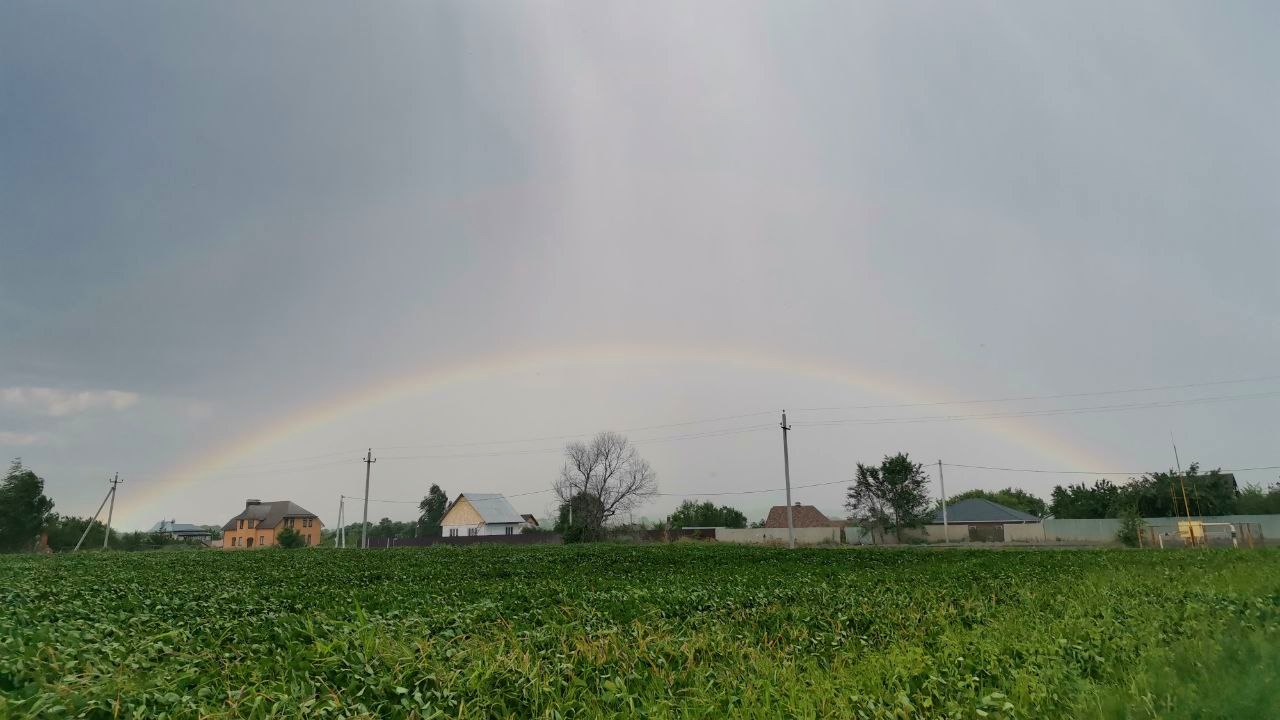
x: 289, y: 539
x: 24, y: 510
x: 1155, y: 494
x: 1102, y: 500
x: 574, y: 519
x: 894, y: 495
x: 609, y: 469
x: 1254, y: 500
x: 693, y: 514
x: 65, y: 532
x: 432, y: 506
x: 1016, y: 498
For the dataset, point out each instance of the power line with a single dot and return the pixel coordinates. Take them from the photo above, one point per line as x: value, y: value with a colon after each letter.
x: 558, y: 449
x: 575, y: 435
x: 1094, y: 472
x: 1039, y: 413
x: 1057, y: 396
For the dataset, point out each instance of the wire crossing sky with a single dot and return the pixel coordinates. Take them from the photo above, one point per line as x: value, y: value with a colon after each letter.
x: 241, y: 244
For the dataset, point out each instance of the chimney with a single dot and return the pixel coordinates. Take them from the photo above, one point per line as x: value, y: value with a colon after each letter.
x: 251, y: 502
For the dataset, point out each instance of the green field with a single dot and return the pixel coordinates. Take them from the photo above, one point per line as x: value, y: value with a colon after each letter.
x: 686, y: 630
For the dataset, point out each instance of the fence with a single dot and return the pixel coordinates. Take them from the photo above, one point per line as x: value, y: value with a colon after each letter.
x: 774, y: 536
x: 534, y: 538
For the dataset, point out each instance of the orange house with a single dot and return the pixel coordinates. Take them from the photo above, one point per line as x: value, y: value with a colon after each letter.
x: 258, y: 524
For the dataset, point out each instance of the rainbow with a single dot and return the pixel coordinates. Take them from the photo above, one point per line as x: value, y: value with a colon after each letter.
x: 432, y: 378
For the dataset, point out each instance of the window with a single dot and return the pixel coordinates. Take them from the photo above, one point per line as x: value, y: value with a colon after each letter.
x: 511, y: 530
x: 473, y: 531
x: 453, y: 532
x: 262, y: 539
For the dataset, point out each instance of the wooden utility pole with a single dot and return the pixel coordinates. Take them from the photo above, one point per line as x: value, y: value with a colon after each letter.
x: 786, y: 470
x: 111, y: 510
x: 364, y: 524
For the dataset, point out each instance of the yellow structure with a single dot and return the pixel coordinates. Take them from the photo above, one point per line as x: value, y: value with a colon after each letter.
x: 1191, y: 531
x: 260, y: 522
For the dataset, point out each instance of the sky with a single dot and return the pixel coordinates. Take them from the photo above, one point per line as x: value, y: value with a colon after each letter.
x: 241, y: 244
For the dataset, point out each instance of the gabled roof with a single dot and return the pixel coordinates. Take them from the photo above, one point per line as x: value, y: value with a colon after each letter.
x: 493, y: 507
x: 980, y: 510
x: 168, y: 526
x: 802, y: 516
x: 269, y: 514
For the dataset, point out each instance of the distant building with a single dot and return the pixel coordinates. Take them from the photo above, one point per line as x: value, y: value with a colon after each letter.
x: 474, y: 514
x: 802, y: 516
x: 259, y: 523
x: 529, y: 520
x: 978, y: 511
x: 181, y: 531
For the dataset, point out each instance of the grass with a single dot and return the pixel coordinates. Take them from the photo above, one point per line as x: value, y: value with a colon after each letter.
x: 686, y: 630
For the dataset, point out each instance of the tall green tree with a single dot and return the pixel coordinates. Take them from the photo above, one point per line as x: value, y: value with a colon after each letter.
x: 1016, y: 498
x: 1155, y: 494
x: 894, y: 494
x: 705, y: 514
x: 24, y: 510
x: 432, y: 507
x: 577, y: 519
x: 1255, y: 500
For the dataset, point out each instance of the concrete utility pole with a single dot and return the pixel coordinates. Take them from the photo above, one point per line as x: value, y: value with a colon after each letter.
x: 946, y: 527
x: 786, y: 470
x: 94, y: 519
x: 337, y: 535
x: 111, y: 510
x: 364, y: 524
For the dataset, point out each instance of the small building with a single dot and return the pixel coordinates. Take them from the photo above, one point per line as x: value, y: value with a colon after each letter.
x: 802, y: 516
x: 181, y: 531
x: 529, y: 520
x: 476, y: 514
x: 979, y: 511
x: 260, y: 521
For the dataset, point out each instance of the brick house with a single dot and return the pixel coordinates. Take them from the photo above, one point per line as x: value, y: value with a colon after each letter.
x: 258, y: 524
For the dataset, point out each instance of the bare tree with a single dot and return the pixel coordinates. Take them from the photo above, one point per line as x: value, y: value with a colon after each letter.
x: 609, y: 470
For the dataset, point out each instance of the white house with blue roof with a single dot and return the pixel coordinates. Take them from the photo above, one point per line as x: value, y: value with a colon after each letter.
x: 478, y: 514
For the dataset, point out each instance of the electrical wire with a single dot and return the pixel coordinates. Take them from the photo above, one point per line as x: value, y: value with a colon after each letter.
x: 1037, y: 413
x: 1058, y: 396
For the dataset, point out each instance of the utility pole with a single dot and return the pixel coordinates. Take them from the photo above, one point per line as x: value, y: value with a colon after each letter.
x: 364, y: 524
x: 337, y: 535
x: 1182, y: 479
x: 786, y: 470
x: 111, y: 510
x: 946, y: 527
x: 93, y: 519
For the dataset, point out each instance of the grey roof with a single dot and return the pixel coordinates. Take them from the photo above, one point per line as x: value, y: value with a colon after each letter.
x: 493, y: 507
x: 269, y: 514
x: 168, y: 526
x: 979, y: 510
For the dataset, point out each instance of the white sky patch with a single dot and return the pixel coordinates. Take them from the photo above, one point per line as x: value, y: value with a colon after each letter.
x: 56, y: 402
x: 13, y: 438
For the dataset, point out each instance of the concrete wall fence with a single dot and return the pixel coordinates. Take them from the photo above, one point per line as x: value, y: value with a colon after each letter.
x: 1090, y: 530
x: 776, y: 536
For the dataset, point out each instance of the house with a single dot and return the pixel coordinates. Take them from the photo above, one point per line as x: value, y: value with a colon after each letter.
x: 529, y: 520
x: 258, y: 525
x: 802, y: 516
x: 473, y: 514
x: 181, y: 531
x: 978, y: 511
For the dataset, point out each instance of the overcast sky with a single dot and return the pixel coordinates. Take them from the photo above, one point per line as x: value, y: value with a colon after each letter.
x: 242, y: 242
